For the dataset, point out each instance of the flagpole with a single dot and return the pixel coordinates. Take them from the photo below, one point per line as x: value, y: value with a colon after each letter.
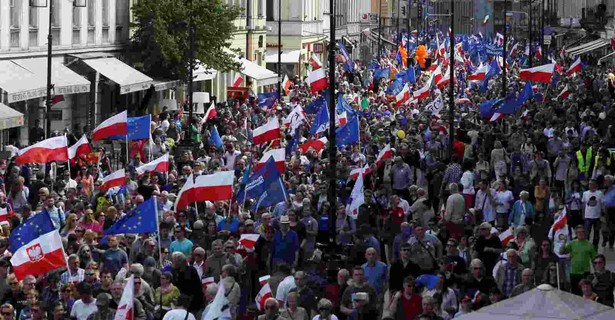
x: 159, y: 244
x: 127, y: 152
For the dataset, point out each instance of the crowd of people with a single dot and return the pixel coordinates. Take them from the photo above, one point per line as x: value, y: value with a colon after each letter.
x: 428, y: 243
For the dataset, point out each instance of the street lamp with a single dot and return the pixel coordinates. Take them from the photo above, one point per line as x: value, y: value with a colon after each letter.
x: 44, y: 4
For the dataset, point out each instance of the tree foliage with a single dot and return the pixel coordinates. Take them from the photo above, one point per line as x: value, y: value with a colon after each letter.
x: 161, y: 41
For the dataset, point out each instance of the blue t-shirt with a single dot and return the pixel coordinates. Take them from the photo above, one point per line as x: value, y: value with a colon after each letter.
x: 184, y: 246
x: 114, y: 260
x: 285, y: 247
x: 376, y: 275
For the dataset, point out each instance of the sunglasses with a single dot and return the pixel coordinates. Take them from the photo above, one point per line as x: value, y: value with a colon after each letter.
x: 405, y: 250
x: 90, y: 273
x: 8, y: 314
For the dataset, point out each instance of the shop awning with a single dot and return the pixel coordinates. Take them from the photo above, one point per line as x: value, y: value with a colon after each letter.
x: 587, y: 47
x: 202, y: 73
x: 287, y: 57
x: 10, y: 118
x: 26, y: 79
x: 128, y: 78
x: 261, y: 75
x: 161, y: 85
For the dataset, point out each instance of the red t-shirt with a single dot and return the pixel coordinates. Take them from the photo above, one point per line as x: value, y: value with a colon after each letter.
x: 412, y: 307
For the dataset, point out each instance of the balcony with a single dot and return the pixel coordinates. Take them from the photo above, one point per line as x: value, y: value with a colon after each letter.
x: 297, y: 28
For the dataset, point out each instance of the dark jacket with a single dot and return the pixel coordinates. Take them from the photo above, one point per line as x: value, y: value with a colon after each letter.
x: 187, y: 280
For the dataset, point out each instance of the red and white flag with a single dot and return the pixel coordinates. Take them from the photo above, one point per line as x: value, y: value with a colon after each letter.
x: 485, y: 20
x: 480, y: 73
x: 207, y: 281
x: 564, y: 94
x: 559, y: 232
x: 539, y: 53
x: 355, y: 172
x: 52, y: 149
x: 263, y: 280
x: 384, y: 154
x: 4, y: 215
x: 496, y: 116
x: 403, y: 96
x: 159, y: 165
x: 357, y: 196
x: 279, y: 156
x: 262, y: 296
x: 114, y: 126
x: 248, y: 241
x: 538, y: 74
x: 114, y: 179
x: 213, y: 187
x: 422, y: 93
x: 341, y: 119
x: 238, y: 80
x: 125, y: 310
x: 437, y: 75
x: 39, y: 256
x: 210, y: 113
x: 268, y: 132
x: 82, y: 147
x: 513, y: 51
x: 499, y: 39
x: 317, y: 145
x: 184, y: 197
x: 317, y: 80
x: 506, y: 236
x: 445, y: 80
x: 575, y: 67
x: 295, y: 118
x: 315, y: 62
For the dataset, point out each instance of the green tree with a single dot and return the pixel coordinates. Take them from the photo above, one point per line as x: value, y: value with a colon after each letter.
x: 161, y: 41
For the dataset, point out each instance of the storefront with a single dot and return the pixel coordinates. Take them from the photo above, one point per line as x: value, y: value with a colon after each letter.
x: 10, y: 122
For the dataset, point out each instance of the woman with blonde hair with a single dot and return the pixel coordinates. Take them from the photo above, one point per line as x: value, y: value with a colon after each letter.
x: 71, y: 225
x: 292, y: 310
x: 18, y: 195
x: 89, y: 222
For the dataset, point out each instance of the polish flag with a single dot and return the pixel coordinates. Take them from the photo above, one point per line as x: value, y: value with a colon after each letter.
x: 560, y: 222
x: 559, y: 231
x: 355, y: 173
x: 513, y: 51
x: 384, y: 154
x: 268, y: 132
x: 315, y: 62
x: 402, y: 96
x: 437, y: 75
x: 279, y: 156
x: 525, y: 115
x: 82, y: 147
x: 52, y: 149
x: 341, y: 119
x: 506, y: 236
x: 263, y: 280
x: 238, y: 81
x: 210, y: 113
x: 479, y: 74
x: 414, y: 33
x: 463, y: 100
x: 564, y: 94
x: 39, y: 256
x: 317, y: 145
x: 558, y: 68
x: 496, y: 116
x: 317, y: 80
x: 185, y: 196
x: 207, y: 281
x: 114, y: 179
x: 575, y: 67
x: 539, y: 53
x: 538, y: 74
x: 4, y: 215
x: 499, y: 39
x: 125, y: 306
x: 262, y: 296
x: 295, y: 118
x: 114, y: 126
x: 286, y: 84
x: 248, y: 240
x: 213, y: 187
x: 159, y: 165
x: 422, y: 93
x: 445, y: 80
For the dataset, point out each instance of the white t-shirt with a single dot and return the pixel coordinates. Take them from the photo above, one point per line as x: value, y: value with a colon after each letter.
x: 317, y: 317
x: 82, y: 311
x: 178, y: 314
x: 284, y: 288
x: 505, y: 199
x: 229, y: 159
x: 593, y: 201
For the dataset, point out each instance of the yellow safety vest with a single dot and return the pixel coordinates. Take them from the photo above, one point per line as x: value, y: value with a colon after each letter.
x: 584, y: 163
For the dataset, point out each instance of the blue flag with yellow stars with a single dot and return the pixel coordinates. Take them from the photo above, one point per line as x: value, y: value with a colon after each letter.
x: 140, y: 220
x: 138, y: 128
x: 36, y: 226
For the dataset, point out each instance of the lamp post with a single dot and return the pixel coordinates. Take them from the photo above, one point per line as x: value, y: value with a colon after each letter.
x: 44, y: 4
x: 191, y: 32
x: 279, y: 49
x: 505, y: 53
x: 379, y: 30
x: 332, y: 198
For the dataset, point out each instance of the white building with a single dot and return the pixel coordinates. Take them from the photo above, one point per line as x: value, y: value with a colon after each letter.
x: 86, y: 70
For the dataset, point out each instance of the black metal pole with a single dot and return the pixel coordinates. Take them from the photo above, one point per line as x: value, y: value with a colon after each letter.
x: 505, y: 53
x: 542, y: 31
x: 397, y: 32
x: 280, y: 48
x: 379, y: 30
x: 529, y: 13
x: 191, y: 76
x: 451, y: 88
x: 408, y: 35
x: 332, y: 198
x: 49, y: 85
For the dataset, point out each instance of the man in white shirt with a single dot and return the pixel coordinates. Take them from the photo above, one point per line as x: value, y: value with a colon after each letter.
x: 593, y: 208
x: 286, y: 285
x: 181, y: 312
x: 85, y: 306
x: 230, y: 156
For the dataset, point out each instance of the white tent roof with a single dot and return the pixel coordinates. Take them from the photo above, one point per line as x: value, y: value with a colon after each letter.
x: 543, y: 303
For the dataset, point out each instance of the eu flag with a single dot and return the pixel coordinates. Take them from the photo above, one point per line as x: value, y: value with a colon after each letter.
x: 138, y: 128
x: 265, y: 186
x: 215, y: 139
x: 321, y: 122
x: 382, y: 73
x: 315, y: 105
x: 410, y: 75
x: 140, y: 220
x: 526, y: 94
x: 37, y: 225
x: 348, y: 133
x: 267, y: 99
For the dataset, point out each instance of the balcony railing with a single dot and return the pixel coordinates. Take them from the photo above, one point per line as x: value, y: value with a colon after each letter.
x: 297, y: 28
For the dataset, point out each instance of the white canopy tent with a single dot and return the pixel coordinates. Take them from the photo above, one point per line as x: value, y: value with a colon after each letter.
x: 543, y: 303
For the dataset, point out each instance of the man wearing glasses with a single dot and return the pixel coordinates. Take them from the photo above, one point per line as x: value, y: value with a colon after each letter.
x: 272, y: 311
x: 7, y: 311
x: 74, y: 274
x: 603, y: 281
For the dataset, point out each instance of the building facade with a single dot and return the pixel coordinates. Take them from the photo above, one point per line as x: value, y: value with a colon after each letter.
x: 100, y: 29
